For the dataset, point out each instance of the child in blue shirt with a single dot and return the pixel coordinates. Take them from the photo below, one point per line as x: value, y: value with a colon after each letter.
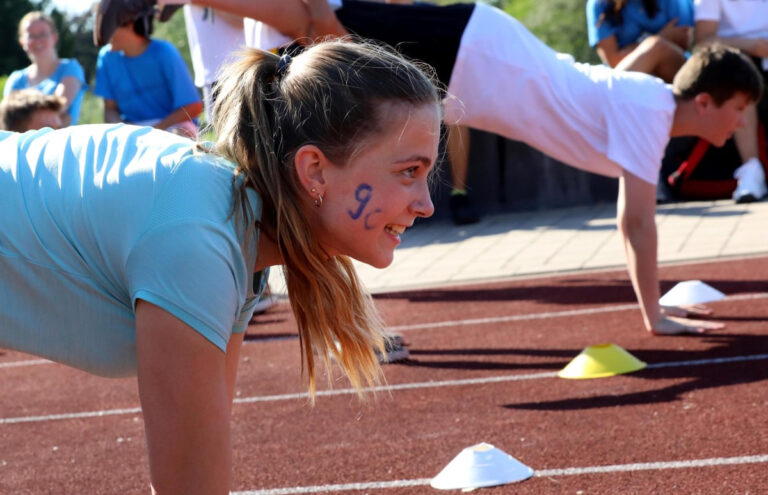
x: 648, y: 36
x: 145, y: 81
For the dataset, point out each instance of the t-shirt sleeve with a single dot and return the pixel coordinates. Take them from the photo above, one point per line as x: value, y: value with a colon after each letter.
x: 72, y: 68
x: 14, y: 82
x: 195, y: 271
x: 706, y: 10
x: 595, y: 33
x: 183, y: 90
x: 102, y: 85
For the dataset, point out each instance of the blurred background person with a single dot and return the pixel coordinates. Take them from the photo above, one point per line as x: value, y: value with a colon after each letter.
x: 144, y: 81
x: 650, y: 36
x: 47, y: 72
x: 30, y: 109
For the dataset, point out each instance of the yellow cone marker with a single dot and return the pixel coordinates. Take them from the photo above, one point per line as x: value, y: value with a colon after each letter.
x: 599, y: 361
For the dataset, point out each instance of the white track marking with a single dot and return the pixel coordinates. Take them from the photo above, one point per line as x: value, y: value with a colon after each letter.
x: 546, y: 473
x: 473, y: 321
x: 384, y: 388
x: 548, y: 314
x: 30, y: 362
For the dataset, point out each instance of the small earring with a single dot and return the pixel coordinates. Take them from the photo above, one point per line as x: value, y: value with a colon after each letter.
x: 319, y: 200
x: 313, y: 190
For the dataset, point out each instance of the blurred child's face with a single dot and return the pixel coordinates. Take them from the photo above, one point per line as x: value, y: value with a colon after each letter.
x: 370, y: 202
x: 43, y: 118
x: 725, y: 119
x: 38, y: 38
x: 121, y: 37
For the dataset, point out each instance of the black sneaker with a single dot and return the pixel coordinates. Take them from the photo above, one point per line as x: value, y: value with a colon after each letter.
x: 462, y: 212
x: 394, y: 347
x: 111, y: 14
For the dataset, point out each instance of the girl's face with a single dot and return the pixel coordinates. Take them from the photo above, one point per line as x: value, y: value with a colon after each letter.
x: 370, y: 202
x: 38, y: 38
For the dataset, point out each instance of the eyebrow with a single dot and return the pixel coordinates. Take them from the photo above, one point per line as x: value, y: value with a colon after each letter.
x: 427, y: 162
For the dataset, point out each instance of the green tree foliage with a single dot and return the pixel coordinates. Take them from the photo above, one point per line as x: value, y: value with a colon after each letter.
x: 561, y: 24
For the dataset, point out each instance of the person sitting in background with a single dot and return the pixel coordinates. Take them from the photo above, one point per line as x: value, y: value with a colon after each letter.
x: 743, y: 25
x: 48, y: 73
x: 145, y: 81
x: 648, y: 36
x: 30, y: 109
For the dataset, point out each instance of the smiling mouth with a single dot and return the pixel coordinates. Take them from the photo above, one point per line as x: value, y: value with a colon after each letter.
x: 395, y: 230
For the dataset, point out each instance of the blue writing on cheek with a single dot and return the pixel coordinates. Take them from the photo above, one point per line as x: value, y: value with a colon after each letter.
x: 363, y: 194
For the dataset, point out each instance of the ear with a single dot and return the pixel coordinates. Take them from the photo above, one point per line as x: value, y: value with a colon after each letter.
x: 703, y: 102
x: 311, y: 165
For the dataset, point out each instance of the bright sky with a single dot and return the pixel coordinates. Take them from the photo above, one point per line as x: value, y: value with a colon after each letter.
x: 73, y: 6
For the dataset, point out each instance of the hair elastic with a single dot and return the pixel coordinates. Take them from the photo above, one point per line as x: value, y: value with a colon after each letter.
x: 282, y: 65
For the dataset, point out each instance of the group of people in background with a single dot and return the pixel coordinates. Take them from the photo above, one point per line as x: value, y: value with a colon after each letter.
x: 145, y: 81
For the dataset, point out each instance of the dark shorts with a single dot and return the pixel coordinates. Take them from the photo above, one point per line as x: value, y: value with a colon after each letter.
x: 424, y: 32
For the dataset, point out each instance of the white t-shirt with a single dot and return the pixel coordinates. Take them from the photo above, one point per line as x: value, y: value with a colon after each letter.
x: 508, y: 82
x: 742, y: 18
x: 213, y: 36
x: 265, y: 37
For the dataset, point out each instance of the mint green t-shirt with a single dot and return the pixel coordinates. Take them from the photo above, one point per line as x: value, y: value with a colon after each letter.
x: 93, y: 218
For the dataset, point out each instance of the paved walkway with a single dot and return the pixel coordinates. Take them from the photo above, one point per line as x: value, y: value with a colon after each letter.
x: 561, y: 240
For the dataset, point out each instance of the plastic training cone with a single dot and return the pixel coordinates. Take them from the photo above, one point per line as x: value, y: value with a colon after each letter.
x: 479, y: 466
x: 690, y: 292
x: 599, y: 361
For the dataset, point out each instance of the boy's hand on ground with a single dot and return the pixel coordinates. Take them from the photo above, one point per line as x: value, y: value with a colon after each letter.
x: 686, y: 311
x: 671, y: 325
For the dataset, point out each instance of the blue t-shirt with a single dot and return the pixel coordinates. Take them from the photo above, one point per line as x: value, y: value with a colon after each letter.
x: 95, y: 217
x: 147, y: 87
x: 67, y: 67
x: 635, y: 20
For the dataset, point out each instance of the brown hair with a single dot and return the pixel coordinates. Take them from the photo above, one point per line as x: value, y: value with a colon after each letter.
x: 33, y: 16
x: 720, y: 71
x: 332, y: 95
x: 18, y: 107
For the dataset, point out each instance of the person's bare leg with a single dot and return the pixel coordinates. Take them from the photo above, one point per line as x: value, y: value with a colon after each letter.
x: 656, y: 56
x: 746, y: 137
x: 457, y: 145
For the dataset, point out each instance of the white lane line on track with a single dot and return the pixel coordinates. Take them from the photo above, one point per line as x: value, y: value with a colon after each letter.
x: 546, y: 473
x: 456, y: 323
x: 548, y: 314
x: 30, y: 362
x: 385, y: 388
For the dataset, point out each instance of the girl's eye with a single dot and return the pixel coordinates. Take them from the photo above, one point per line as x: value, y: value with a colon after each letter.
x: 410, y: 172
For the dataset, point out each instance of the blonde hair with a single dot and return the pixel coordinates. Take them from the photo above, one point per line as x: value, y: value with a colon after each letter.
x: 332, y: 95
x: 33, y: 16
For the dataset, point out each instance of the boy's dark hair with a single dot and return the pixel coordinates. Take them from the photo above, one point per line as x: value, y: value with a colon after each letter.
x: 720, y: 71
x: 18, y: 107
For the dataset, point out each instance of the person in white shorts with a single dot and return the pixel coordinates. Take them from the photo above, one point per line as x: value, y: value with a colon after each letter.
x: 213, y: 36
x: 742, y: 24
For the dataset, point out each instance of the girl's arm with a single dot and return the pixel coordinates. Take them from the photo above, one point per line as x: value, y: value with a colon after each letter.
x: 187, y: 112
x: 69, y: 88
x: 185, y: 390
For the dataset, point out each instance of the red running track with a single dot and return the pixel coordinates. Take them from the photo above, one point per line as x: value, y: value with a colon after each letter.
x: 482, y: 366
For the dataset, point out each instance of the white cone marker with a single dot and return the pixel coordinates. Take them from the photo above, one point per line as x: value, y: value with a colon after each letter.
x: 690, y: 292
x: 479, y: 466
